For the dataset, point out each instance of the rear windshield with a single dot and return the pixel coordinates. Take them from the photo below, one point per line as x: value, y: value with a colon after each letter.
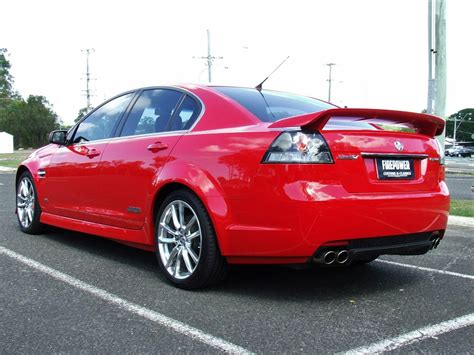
x: 270, y: 106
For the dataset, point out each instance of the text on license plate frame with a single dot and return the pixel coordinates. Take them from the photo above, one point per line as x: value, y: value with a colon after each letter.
x: 395, y: 168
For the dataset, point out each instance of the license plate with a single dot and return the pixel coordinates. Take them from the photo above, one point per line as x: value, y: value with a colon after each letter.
x: 388, y: 168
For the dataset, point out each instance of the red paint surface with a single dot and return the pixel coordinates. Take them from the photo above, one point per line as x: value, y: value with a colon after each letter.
x: 267, y: 213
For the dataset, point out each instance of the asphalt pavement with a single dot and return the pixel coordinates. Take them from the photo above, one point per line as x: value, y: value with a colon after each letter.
x: 69, y: 292
x: 461, y: 187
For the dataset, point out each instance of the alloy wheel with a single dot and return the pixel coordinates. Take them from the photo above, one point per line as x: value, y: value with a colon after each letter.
x: 179, y: 239
x: 25, y: 202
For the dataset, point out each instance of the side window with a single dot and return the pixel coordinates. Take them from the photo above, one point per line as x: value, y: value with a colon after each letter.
x: 187, y: 114
x: 152, y: 112
x: 101, y: 123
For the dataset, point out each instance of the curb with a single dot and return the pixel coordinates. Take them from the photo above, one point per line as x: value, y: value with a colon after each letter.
x: 4, y: 169
x: 461, y: 221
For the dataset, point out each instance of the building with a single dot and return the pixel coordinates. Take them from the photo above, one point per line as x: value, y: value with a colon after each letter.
x: 6, y: 142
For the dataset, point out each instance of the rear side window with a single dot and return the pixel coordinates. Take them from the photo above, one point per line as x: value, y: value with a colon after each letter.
x: 187, y: 113
x: 152, y: 112
x: 270, y: 106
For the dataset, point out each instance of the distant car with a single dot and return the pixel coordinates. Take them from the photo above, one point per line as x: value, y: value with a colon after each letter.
x: 207, y: 176
x: 460, y: 151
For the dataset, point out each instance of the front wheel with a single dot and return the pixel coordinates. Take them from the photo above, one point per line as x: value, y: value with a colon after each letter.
x: 28, y: 210
x: 187, y: 249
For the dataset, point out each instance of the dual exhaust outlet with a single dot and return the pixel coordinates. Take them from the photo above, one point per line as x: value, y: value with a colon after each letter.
x: 334, y: 257
x: 435, y: 243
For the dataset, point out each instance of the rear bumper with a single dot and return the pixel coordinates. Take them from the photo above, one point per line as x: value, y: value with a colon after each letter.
x: 283, y: 230
x: 370, y: 248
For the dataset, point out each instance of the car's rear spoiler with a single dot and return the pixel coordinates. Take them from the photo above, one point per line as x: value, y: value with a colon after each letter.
x: 423, y: 124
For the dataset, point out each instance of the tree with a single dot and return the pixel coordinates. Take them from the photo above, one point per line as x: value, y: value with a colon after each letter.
x: 28, y: 120
x: 464, y: 125
x: 6, y: 79
x: 82, y: 112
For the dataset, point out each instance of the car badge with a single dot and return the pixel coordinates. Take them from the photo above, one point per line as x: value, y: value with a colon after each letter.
x: 398, y: 145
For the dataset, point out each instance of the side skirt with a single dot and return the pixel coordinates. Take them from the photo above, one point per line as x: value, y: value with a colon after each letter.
x: 137, y: 238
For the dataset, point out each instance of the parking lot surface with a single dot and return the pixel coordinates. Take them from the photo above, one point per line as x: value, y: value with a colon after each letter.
x: 69, y: 292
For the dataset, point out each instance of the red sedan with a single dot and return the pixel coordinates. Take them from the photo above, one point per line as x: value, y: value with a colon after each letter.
x: 207, y: 176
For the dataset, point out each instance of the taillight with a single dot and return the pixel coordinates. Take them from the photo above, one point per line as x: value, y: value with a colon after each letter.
x: 442, y: 168
x: 298, y: 147
x: 442, y: 173
x: 440, y: 152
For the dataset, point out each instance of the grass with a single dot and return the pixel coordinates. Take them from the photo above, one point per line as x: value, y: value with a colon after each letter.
x: 12, y: 160
x: 463, y: 208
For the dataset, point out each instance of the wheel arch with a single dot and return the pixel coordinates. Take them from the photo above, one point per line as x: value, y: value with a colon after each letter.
x: 215, y: 206
x: 21, y: 169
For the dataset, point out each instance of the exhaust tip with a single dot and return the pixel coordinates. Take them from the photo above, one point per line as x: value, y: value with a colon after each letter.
x: 329, y: 257
x: 342, y: 256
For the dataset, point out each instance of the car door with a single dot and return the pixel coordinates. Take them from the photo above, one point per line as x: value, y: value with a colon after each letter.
x: 130, y: 163
x: 71, y: 178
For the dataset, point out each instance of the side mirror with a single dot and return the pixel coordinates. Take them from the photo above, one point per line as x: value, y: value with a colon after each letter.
x: 58, y: 137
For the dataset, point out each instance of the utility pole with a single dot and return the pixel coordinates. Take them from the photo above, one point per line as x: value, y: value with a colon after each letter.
x: 437, y: 50
x: 440, y: 68
x: 88, y: 51
x: 209, y: 58
x: 431, y: 53
x: 329, y: 80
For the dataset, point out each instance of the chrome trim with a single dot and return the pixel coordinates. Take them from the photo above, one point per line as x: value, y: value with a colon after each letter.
x: 435, y: 159
x: 347, y: 156
x: 398, y: 145
x: 394, y: 155
x: 158, y: 134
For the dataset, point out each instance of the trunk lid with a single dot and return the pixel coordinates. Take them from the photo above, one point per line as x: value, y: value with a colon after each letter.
x: 369, y: 158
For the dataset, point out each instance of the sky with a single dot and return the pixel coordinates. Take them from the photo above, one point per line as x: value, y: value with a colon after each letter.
x: 379, y: 47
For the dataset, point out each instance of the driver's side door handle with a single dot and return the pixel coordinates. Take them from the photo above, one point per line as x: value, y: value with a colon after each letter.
x: 91, y: 153
x: 157, y: 146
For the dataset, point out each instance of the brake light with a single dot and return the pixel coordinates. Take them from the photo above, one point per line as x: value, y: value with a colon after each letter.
x: 440, y: 152
x: 442, y: 173
x: 298, y: 147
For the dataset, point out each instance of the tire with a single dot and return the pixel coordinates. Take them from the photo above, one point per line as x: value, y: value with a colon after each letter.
x: 186, y: 245
x: 28, y: 210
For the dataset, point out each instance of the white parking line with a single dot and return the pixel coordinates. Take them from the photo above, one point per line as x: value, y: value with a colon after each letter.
x: 149, y: 314
x: 414, y: 336
x: 470, y: 277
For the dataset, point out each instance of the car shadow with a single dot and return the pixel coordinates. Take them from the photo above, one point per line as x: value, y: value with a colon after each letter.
x: 321, y: 283
x: 259, y: 281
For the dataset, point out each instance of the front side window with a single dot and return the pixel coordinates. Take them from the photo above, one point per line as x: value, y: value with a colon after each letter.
x: 101, y: 123
x: 152, y: 113
x: 270, y: 106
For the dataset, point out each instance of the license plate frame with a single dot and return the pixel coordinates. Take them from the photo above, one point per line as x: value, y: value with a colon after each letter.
x: 395, y: 168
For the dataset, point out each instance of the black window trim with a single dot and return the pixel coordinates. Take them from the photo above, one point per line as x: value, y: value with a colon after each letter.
x: 136, y: 94
x: 73, y: 130
x: 129, y: 110
x: 185, y: 93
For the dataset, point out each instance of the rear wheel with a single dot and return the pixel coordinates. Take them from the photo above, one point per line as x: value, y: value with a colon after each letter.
x: 28, y: 210
x: 187, y: 249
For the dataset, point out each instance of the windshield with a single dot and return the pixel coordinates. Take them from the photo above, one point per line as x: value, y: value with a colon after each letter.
x: 270, y: 106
